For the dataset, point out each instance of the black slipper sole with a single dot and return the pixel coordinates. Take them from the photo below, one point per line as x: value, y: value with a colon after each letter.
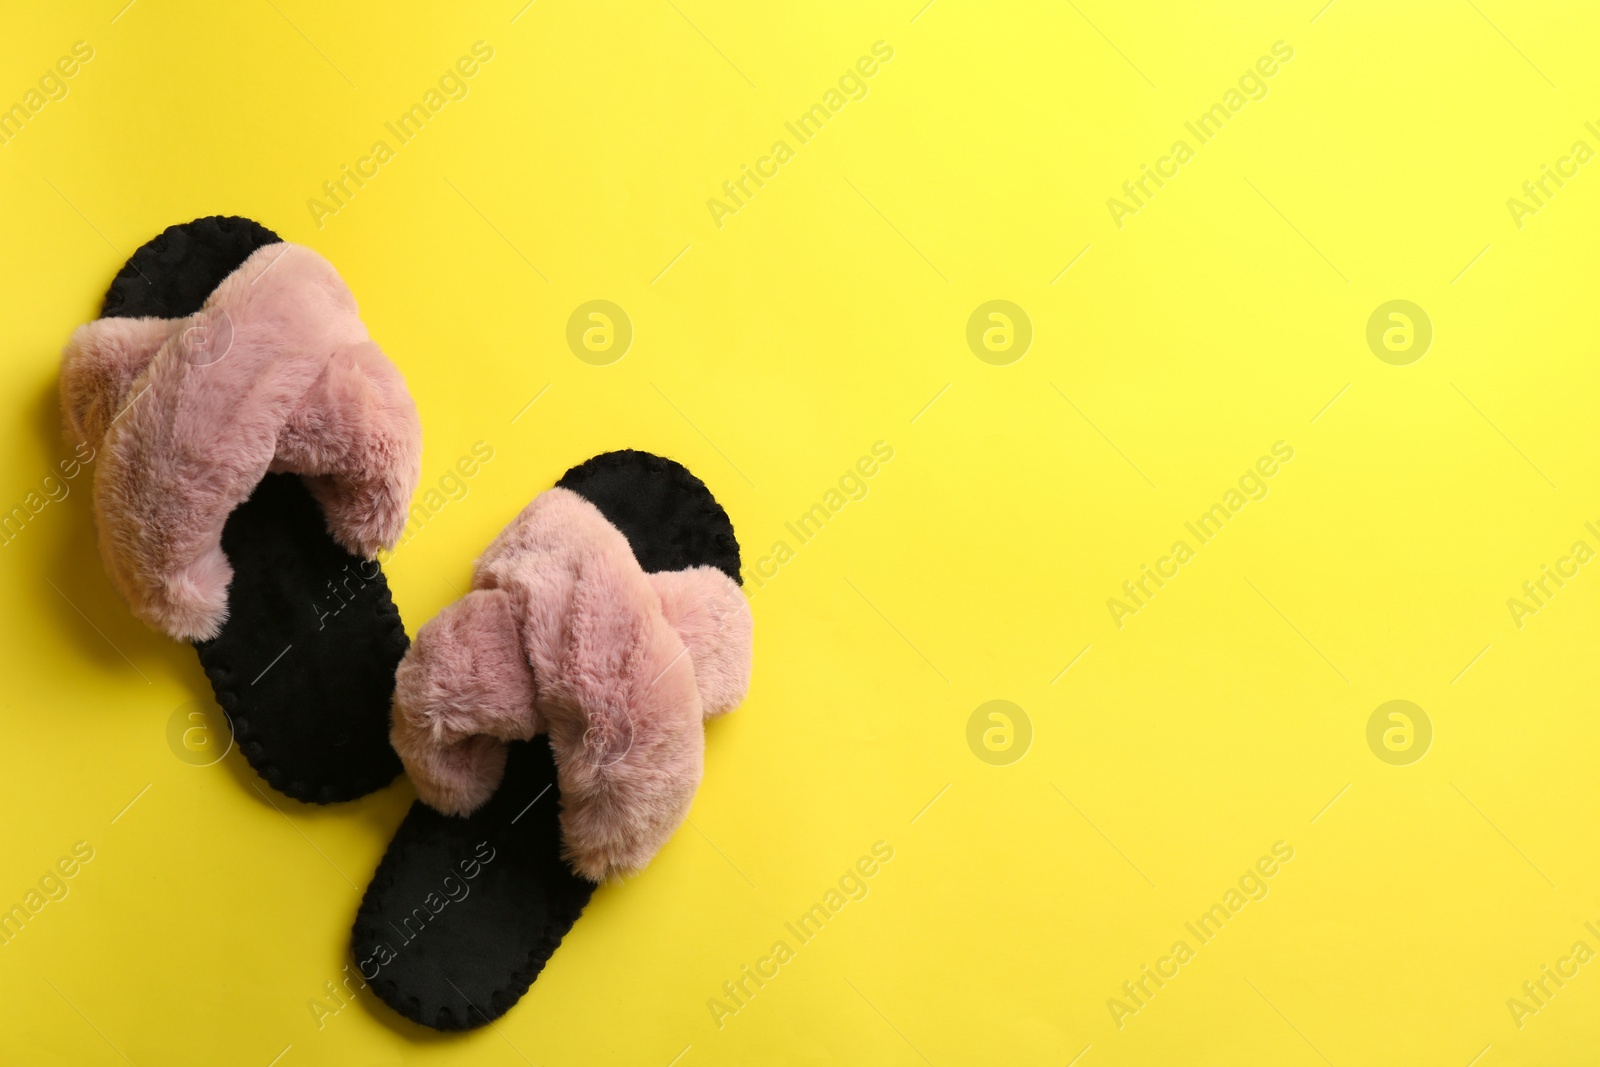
x: 304, y: 666
x: 669, y: 517
x: 463, y: 914
x: 455, y: 951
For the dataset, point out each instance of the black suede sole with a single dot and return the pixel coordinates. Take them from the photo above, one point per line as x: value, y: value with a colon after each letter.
x: 456, y: 964
x: 666, y: 513
x: 171, y: 274
x: 304, y: 665
x: 463, y: 914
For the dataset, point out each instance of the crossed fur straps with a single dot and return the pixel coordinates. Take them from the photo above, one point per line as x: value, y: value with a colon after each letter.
x: 565, y: 634
x: 276, y: 372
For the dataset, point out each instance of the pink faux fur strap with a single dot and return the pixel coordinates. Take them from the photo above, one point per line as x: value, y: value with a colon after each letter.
x: 275, y: 373
x: 564, y: 633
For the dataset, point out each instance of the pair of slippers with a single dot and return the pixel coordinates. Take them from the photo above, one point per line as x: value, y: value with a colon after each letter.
x: 255, y: 450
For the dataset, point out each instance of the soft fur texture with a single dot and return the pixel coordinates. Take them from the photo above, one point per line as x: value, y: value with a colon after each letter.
x: 621, y: 668
x: 275, y: 373
x: 713, y: 620
x: 466, y: 689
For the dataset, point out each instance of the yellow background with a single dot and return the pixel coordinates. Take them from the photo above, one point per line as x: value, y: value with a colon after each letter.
x: 772, y: 352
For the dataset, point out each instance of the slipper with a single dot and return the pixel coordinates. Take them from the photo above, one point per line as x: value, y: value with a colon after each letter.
x: 254, y: 451
x: 552, y: 721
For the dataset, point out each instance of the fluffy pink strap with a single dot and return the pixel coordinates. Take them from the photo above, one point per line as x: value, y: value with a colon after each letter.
x: 275, y: 373
x: 565, y: 634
